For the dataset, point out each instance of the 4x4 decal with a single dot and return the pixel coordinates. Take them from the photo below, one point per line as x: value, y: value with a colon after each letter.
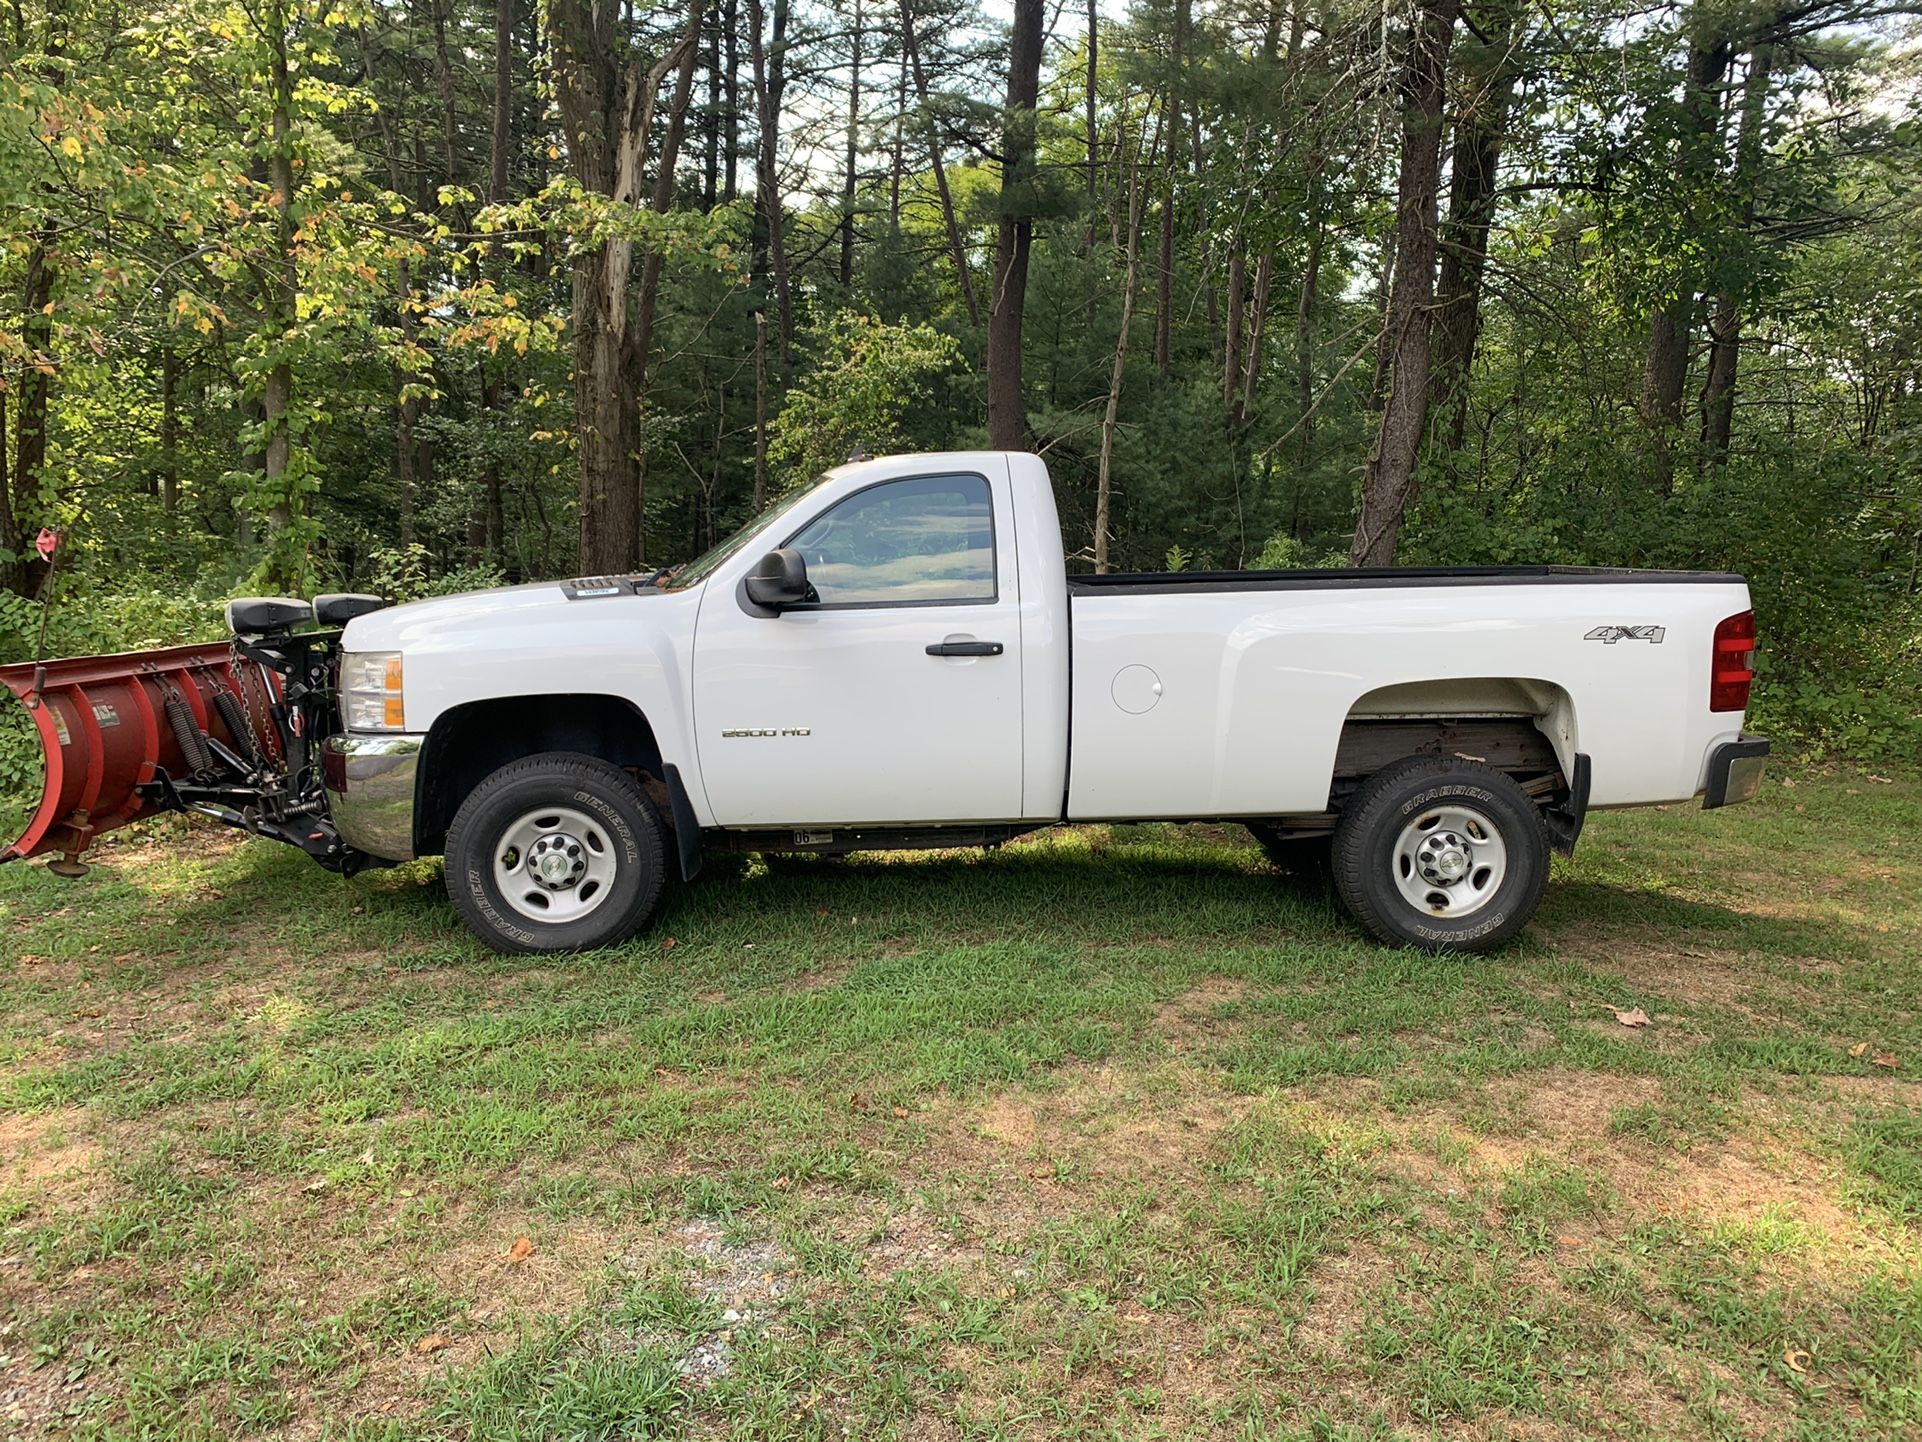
x: 1609, y: 635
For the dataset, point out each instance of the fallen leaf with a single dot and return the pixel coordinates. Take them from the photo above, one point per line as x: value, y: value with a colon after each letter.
x: 1858, y: 1048
x: 318, y: 1184
x: 1637, y: 1017
x: 1885, y: 1059
x: 900, y: 1111
x: 781, y: 1184
x: 522, y: 1249
x: 433, y: 1342
x: 1796, y: 1359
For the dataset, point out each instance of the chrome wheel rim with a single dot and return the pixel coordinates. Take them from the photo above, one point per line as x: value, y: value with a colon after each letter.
x: 554, y: 864
x: 1449, y: 861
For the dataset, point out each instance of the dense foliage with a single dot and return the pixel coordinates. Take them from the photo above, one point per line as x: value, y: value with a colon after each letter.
x: 306, y: 293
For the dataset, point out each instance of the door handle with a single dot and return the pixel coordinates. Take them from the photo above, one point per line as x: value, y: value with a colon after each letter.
x: 965, y: 648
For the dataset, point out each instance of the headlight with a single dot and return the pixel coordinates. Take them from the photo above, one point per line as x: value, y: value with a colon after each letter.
x: 370, y: 691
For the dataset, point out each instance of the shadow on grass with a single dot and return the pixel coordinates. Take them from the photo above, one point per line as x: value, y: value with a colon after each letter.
x: 1637, y: 913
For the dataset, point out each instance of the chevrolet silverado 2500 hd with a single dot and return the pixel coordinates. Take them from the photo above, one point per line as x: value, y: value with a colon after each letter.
x: 896, y: 656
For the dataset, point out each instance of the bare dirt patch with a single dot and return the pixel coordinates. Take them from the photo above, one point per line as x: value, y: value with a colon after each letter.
x: 38, y: 1148
x: 1194, y: 1017
x: 1707, y: 977
x: 1099, y: 1122
x: 1342, y: 1284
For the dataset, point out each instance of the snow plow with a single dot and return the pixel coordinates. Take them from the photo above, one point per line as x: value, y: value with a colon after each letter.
x: 229, y: 730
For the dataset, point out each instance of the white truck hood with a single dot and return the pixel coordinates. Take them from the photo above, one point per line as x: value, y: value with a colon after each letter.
x: 486, y: 612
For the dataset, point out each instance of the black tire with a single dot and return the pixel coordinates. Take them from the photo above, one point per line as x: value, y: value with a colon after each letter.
x: 603, y: 794
x: 1305, y: 858
x: 1368, y: 864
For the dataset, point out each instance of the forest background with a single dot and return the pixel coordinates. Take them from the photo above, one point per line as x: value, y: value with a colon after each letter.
x: 420, y: 295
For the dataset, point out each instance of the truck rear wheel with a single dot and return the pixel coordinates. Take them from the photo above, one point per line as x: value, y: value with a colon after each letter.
x: 1441, y: 854
x: 558, y: 852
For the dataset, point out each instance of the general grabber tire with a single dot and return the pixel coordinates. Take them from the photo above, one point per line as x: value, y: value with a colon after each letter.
x: 1441, y: 854
x: 557, y: 852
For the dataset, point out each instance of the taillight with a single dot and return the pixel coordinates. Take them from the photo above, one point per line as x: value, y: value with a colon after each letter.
x: 1732, y: 667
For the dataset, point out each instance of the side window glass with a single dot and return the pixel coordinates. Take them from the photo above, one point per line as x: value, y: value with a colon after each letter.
x: 926, y: 539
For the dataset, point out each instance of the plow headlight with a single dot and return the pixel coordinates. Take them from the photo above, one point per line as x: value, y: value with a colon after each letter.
x: 370, y: 689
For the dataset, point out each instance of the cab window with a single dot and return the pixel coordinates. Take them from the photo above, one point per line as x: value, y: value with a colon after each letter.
x: 925, y: 540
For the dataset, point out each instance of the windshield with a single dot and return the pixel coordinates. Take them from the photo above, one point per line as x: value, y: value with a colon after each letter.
x: 705, y: 564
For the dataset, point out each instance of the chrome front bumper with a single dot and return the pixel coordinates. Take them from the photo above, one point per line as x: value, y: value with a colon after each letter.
x: 370, y: 791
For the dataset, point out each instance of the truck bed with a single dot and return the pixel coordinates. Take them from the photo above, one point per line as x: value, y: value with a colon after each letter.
x: 1331, y: 578
x: 1212, y: 693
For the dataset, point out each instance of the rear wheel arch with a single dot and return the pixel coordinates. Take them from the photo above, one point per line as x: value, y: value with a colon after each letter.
x: 1525, y: 712
x: 469, y: 743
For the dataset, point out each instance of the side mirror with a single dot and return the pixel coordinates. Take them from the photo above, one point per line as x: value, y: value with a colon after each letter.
x: 780, y: 580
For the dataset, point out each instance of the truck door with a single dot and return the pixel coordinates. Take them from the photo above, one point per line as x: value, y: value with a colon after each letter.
x: 896, y: 697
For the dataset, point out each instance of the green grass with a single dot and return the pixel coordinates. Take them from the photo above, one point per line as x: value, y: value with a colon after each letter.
x: 1110, y: 1133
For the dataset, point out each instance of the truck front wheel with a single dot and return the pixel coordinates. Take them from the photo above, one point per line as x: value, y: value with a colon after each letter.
x: 557, y: 852
x: 1441, y: 854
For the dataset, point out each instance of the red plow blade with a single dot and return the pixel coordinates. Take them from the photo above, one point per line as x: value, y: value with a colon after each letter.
x: 110, y: 726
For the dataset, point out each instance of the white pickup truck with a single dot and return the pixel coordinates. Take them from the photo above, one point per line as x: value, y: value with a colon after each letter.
x: 895, y: 656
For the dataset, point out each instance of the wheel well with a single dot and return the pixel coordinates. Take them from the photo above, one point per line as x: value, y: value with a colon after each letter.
x: 1515, y: 716
x: 1521, y: 726
x: 469, y: 743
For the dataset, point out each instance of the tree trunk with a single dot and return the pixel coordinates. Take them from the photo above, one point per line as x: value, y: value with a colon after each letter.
x: 767, y: 52
x: 444, y: 76
x: 1104, y: 476
x: 851, y: 150
x: 486, y: 528
x: 23, y: 569
x: 1231, y: 348
x: 1488, y: 71
x: 1305, y: 312
x: 1257, y: 335
x: 1388, y: 480
x: 1093, y: 136
x: 957, y: 248
x: 898, y: 160
x: 607, y: 118
x: 277, y: 393
x: 1165, y: 254
x: 685, y: 55
x: 1007, y: 414
x: 1725, y: 327
x: 1666, y: 372
x: 731, y: 141
x: 503, y: 136
x: 760, y: 410
x: 169, y: 427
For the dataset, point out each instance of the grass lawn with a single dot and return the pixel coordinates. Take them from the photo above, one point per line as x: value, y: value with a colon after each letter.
x: 1113, y: 1132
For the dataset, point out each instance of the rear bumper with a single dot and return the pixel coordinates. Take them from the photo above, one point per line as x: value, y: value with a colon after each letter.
x: 370, y: 791
x: 1735, y: 772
